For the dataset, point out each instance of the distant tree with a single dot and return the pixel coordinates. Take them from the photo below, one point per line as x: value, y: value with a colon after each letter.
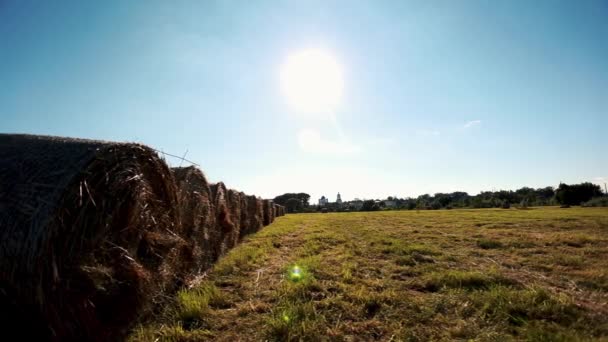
x: 441, y: 200
x: 527, y: 195
x: 294, y: 205
x: 577, y: 193
x: 460, y: 199
x: 423, y: 201
x: 545, y: 194
x: 370, y: 205
x: 282, y: 199
x: 410, y: 204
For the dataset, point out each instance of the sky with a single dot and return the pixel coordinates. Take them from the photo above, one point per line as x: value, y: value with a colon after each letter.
x: 437, y: 96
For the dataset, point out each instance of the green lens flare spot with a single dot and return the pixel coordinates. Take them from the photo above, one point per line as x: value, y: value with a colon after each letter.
x: 295, y: 273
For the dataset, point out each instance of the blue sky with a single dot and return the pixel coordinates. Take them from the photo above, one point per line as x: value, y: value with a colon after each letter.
x: 438, y: 95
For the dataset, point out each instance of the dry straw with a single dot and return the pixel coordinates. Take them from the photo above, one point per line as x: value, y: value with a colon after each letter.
x: 197, y: 217
x: 89, y: 235
x: 95, y: 235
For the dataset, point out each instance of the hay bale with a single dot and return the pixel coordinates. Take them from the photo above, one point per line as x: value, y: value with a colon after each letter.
x: 280, y: 210
x: 233, y: 201
x: 255, y: 211
x: 89, y: 236
x: 197, y: 217
x: 268, y: 212
x: 224, y: 224
x: 245, y: 220
x: 272, y: 216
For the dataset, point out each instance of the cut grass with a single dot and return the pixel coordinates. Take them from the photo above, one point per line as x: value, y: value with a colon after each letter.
x: 404, y: 276
x: 469, y: 280
x: 489, y: 244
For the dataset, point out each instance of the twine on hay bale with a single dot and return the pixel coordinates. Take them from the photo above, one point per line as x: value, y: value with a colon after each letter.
x: 89, y: 236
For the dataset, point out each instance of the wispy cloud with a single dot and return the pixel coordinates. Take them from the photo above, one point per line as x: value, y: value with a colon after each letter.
x: 472, y: 123
x: 310, y: 140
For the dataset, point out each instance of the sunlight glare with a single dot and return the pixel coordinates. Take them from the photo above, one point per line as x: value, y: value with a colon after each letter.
x: 312, y: 81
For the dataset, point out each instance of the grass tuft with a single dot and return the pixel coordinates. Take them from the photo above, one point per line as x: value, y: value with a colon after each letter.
x: 489, y: 244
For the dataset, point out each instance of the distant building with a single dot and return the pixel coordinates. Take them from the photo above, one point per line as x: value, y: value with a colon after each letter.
x: 339, y: 199
x: 323, y: 201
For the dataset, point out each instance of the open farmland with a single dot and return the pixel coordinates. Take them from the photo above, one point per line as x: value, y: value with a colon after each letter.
x: 538, y: 274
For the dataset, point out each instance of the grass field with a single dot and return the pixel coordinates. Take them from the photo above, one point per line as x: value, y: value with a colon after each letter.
x: 538, y: 274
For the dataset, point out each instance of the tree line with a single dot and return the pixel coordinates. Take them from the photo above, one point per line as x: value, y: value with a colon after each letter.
x: 564, y: 194
x: 575, y: 194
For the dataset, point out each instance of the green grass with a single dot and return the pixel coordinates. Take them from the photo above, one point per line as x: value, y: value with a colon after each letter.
x: 538, y: 274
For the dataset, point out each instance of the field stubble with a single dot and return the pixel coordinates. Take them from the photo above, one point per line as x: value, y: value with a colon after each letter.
x: 539, y: 274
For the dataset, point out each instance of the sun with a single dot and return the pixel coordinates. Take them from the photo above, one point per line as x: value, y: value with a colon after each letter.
x: 312, y: 81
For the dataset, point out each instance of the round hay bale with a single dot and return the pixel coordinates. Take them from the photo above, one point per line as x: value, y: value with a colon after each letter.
x: 268, y: 212
x: 265, y: 215
x: 271, y: 207
x: 224, y: 224
x: 233, y: 201
x: 256, y: 214
x: 245, y: 223
x: 197, y: 217
x: 89, y: 236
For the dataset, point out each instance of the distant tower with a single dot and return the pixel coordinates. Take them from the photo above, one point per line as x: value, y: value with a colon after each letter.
x: 339, y: 199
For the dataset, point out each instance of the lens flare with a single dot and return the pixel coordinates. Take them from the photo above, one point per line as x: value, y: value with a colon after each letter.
x: 295, y: 273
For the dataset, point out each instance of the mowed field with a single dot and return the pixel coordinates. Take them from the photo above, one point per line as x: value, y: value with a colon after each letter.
x: 487, y: 274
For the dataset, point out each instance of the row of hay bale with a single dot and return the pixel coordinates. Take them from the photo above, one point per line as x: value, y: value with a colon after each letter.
x: 94, y: 235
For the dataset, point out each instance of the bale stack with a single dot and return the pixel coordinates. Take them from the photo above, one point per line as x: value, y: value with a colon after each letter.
x: 94, y: 235
x: 89, y: 236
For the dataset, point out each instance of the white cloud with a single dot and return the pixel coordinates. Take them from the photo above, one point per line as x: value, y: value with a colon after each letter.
x: 472, y: 123
x: 311, y: 141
